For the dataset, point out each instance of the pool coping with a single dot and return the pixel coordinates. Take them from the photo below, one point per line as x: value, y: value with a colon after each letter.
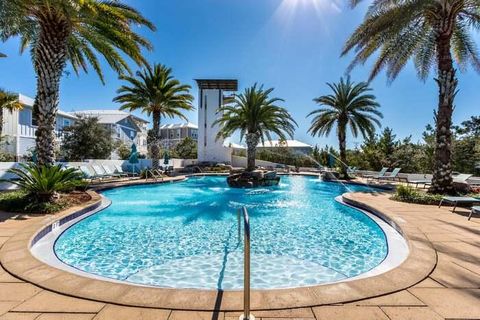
x: 16, y: 258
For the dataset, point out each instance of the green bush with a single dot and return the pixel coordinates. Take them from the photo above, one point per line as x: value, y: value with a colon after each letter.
x: 412, y: 195
x: 20, y: 201
x: 43, y: 182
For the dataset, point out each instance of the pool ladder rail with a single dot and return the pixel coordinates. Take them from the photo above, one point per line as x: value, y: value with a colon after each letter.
x: 246, y: 262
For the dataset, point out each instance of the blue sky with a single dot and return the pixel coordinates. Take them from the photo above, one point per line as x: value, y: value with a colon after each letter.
x: 291, y: 45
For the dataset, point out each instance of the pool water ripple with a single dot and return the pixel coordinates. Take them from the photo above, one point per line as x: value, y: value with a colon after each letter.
x: 184, y: 235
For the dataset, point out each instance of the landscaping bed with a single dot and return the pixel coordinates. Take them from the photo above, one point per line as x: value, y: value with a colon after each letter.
x: 22, y: 202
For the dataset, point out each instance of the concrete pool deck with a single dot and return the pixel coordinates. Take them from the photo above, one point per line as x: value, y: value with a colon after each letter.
x: 439, y: 280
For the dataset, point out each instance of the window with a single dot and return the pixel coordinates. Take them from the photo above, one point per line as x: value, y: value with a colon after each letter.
x: 132, y: 134
x: 66, y: 122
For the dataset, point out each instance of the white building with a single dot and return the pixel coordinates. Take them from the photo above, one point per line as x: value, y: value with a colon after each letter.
x: 20, y: 126
x: 211, y: 97
x: 172, y: 134
x: 125, y: 127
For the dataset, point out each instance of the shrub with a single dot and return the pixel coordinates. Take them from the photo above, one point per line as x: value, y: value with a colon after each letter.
x: 44, y: 182
x: 412, y: 195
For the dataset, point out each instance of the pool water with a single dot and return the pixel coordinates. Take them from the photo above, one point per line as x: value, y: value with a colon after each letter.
x: 185, y: 235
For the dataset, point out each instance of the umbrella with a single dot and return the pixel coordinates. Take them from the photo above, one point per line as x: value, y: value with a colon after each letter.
x: 166, y: 158
x: 133, y: 159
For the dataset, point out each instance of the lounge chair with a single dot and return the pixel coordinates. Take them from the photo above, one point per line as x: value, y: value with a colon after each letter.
x: 455, y: 201
x: 461, y: 178
x: 118, y: 169
x: 474, y: 210
x: 425, y: 181
x: 155, y: 174
x: 392, y: 176
x: 376, y: 176
x: 112, y: 173
x: 88, y: 174
x: 100, y: 172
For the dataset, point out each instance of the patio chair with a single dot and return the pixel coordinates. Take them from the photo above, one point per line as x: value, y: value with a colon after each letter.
x: 474, y: 210
x: 118, y: 169
x: 461, y: 178
x: 425, y: 181
x: 455, y: 201
x: 376, y: 176
x: 100, y: 172
x: 392, y: 176
x: 112, y: 173
x: 155, y: 174
x: 88, y: 174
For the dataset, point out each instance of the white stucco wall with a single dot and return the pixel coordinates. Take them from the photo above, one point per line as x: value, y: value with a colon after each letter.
x: 210, y: 149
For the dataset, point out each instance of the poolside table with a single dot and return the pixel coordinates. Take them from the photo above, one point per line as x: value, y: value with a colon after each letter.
x: 474, y: 210
x: 458, y: 200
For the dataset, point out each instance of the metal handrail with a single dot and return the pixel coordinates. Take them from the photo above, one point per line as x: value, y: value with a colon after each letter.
x: 246, y: 263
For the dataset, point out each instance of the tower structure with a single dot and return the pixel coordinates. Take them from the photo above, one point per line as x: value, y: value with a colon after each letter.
x: 211, y: 97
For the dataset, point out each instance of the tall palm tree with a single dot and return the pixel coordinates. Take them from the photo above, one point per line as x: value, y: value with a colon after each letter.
x: 157, y: 93
x: 256, y: 115
x: 434, y: 34
x: 74, y: 31
x: 9, y: 101
x: 350, y: 105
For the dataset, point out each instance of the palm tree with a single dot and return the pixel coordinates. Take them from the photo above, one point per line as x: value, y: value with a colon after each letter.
x: 428, y: 32
x: 157, y: 93
x: 74, y: 31
x: 350, y: 105
x: 9, y: 101
x: 256, y: 116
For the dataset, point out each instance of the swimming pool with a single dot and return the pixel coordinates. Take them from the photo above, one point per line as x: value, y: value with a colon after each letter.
x: 184, y: 235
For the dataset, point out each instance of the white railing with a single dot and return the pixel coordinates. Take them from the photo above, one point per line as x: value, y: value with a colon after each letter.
x: 29, y: 131
x: 246, y: 261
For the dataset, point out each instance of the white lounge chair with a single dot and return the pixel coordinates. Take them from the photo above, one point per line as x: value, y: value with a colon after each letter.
x: 88, y: 173
x: 112, y: 172
x: 376, y: 176
x: 392, y: 176
x: 461, y: 178
x: 119, y: 169
x: 100, y: 172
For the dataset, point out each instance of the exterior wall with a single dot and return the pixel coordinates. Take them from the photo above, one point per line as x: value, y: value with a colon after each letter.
x: 19, y: 129
x: 170, y: 137
x: 210, y: 149
x: 241, y: 162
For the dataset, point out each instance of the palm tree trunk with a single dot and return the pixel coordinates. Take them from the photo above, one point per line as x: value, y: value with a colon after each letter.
x: 156, y: 140
x: 252, y: 142
x: 342, y: 128
x: 447, y: 85
x: 1, y: 122
x: 50, y: 59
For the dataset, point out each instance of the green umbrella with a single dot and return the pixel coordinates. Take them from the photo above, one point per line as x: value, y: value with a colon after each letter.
x: 166, y: 158
x: 133, y: 159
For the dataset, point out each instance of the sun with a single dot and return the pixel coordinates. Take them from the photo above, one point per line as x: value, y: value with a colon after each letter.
x: 320, y: 6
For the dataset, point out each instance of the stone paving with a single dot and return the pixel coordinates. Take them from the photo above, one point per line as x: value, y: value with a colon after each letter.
x: 451, y: 291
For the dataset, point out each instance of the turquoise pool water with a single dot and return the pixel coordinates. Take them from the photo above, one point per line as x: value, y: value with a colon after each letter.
x: 184, y: 235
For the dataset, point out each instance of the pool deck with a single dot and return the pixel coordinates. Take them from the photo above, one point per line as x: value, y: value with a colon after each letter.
x: 439, y: 280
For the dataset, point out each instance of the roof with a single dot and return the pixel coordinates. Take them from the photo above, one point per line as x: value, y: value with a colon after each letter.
x: 28, y: 102
x: 109, y: 116
x: 179, y: 126
x: 286, y: 143
x: 223, y: 84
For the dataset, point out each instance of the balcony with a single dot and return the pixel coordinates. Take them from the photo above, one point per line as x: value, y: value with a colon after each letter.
x: 29, y: 132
